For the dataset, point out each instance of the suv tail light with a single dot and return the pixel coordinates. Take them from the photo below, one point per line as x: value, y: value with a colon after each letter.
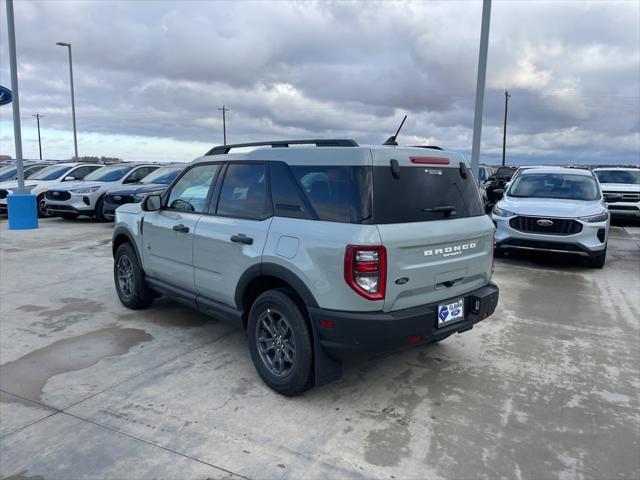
x: 365, y: 270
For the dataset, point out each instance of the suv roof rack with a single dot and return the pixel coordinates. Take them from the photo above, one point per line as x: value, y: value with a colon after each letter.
x: 333, y: 142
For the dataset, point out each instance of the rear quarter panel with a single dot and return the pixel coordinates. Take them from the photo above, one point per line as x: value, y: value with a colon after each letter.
x: 314, y: 251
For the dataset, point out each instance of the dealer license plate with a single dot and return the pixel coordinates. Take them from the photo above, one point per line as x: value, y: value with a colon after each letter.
x: 450, y: 312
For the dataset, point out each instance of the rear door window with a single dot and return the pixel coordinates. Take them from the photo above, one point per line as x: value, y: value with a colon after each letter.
x: 422, y: 194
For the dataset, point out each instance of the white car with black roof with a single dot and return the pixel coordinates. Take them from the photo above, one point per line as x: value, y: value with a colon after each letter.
x: 555, y: 210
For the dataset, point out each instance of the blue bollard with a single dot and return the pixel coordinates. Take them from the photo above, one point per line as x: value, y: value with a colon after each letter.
x: 22, y: 211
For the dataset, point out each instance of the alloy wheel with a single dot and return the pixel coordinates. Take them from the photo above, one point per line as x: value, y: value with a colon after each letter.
x: 275, y: 342
x: 125, y: 276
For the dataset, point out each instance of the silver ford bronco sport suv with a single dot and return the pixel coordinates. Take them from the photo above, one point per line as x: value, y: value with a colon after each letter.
x: 321, y: 252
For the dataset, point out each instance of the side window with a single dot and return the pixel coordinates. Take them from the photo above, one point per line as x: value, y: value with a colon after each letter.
x: 244, y: 192
x: 80, y: 172
x: 284, y: 192
x: 91, y: 168
x: 190, y: 193
x: 332, y: 191
x: 138, y: 174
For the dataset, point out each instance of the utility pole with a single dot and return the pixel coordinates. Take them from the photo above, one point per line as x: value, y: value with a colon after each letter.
x: 482, y: 76
x: 38, y: 117
x: 224, y: 110
x: 504, y: 131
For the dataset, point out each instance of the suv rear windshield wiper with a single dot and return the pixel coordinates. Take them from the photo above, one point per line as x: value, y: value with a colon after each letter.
x: 447, y: 210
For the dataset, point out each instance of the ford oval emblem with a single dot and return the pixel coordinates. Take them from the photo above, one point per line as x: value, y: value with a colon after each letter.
x: 56, y: 194
x: 402, y: 280
x: 5, y: 95
x: 543, y: 222
x: 117, y: 198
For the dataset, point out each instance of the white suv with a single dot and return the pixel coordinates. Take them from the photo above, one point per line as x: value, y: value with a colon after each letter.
x: 46, y: 178
x: 554, y: 209
x: 87, y: 197
x: 621, y: 189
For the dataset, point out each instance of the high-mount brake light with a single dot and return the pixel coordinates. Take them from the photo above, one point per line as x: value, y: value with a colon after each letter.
x: 365, y: 270
x: 430, y: 160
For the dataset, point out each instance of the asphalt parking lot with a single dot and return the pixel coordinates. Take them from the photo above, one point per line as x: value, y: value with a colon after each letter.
x: 548, y: 387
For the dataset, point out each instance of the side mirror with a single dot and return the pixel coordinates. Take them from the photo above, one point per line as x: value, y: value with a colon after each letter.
x: 152, y: 203
x: 68, y: 179
x: 499, y: 191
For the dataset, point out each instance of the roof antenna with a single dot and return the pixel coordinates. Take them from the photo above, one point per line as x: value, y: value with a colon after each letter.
x: 392, y: 139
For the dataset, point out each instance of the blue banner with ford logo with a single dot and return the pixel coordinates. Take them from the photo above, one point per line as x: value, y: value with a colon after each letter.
x: 5, y: 95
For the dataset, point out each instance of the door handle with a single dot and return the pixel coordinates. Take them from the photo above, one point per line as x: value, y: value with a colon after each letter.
x: 242, y: 238
x: 181, y: 228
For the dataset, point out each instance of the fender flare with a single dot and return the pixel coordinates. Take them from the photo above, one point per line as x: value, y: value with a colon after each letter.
x: 278, y: 271
x: 123, y: 231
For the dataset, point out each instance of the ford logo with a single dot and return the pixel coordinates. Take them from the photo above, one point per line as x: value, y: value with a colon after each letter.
x: 117, y: 197
x: 56, y: 194
x: 5, y: 95
x: 401, y: 280
x: 543, y: 222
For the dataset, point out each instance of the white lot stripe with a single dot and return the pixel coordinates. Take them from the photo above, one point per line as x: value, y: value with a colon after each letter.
x: 633, y: 231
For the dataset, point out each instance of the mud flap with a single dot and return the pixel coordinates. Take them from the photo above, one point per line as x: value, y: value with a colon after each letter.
x: 325, y: 369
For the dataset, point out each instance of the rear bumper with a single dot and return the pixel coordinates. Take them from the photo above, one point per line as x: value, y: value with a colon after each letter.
x: 358, y: 334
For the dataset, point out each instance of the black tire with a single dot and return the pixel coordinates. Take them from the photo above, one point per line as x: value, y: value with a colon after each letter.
x: 68, y: 216
x: 131, y: 287
x: 42, y: 212
x: 98, y: 213
x: 291, y: 350
x: 598, y: 261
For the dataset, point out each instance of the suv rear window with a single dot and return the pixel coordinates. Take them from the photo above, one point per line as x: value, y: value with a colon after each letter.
x: 423, y: 194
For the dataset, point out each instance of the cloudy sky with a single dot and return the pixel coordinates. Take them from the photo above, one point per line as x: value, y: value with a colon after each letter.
x: 149, y: 76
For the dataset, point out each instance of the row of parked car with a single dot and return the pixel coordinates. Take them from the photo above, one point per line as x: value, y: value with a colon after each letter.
x: 72, y: 189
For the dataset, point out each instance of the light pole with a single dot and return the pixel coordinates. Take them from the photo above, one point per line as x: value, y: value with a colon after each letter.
x: 482, y: 75
x: 21, y: 203
x: 17, y: 133
x: 73, y: 102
